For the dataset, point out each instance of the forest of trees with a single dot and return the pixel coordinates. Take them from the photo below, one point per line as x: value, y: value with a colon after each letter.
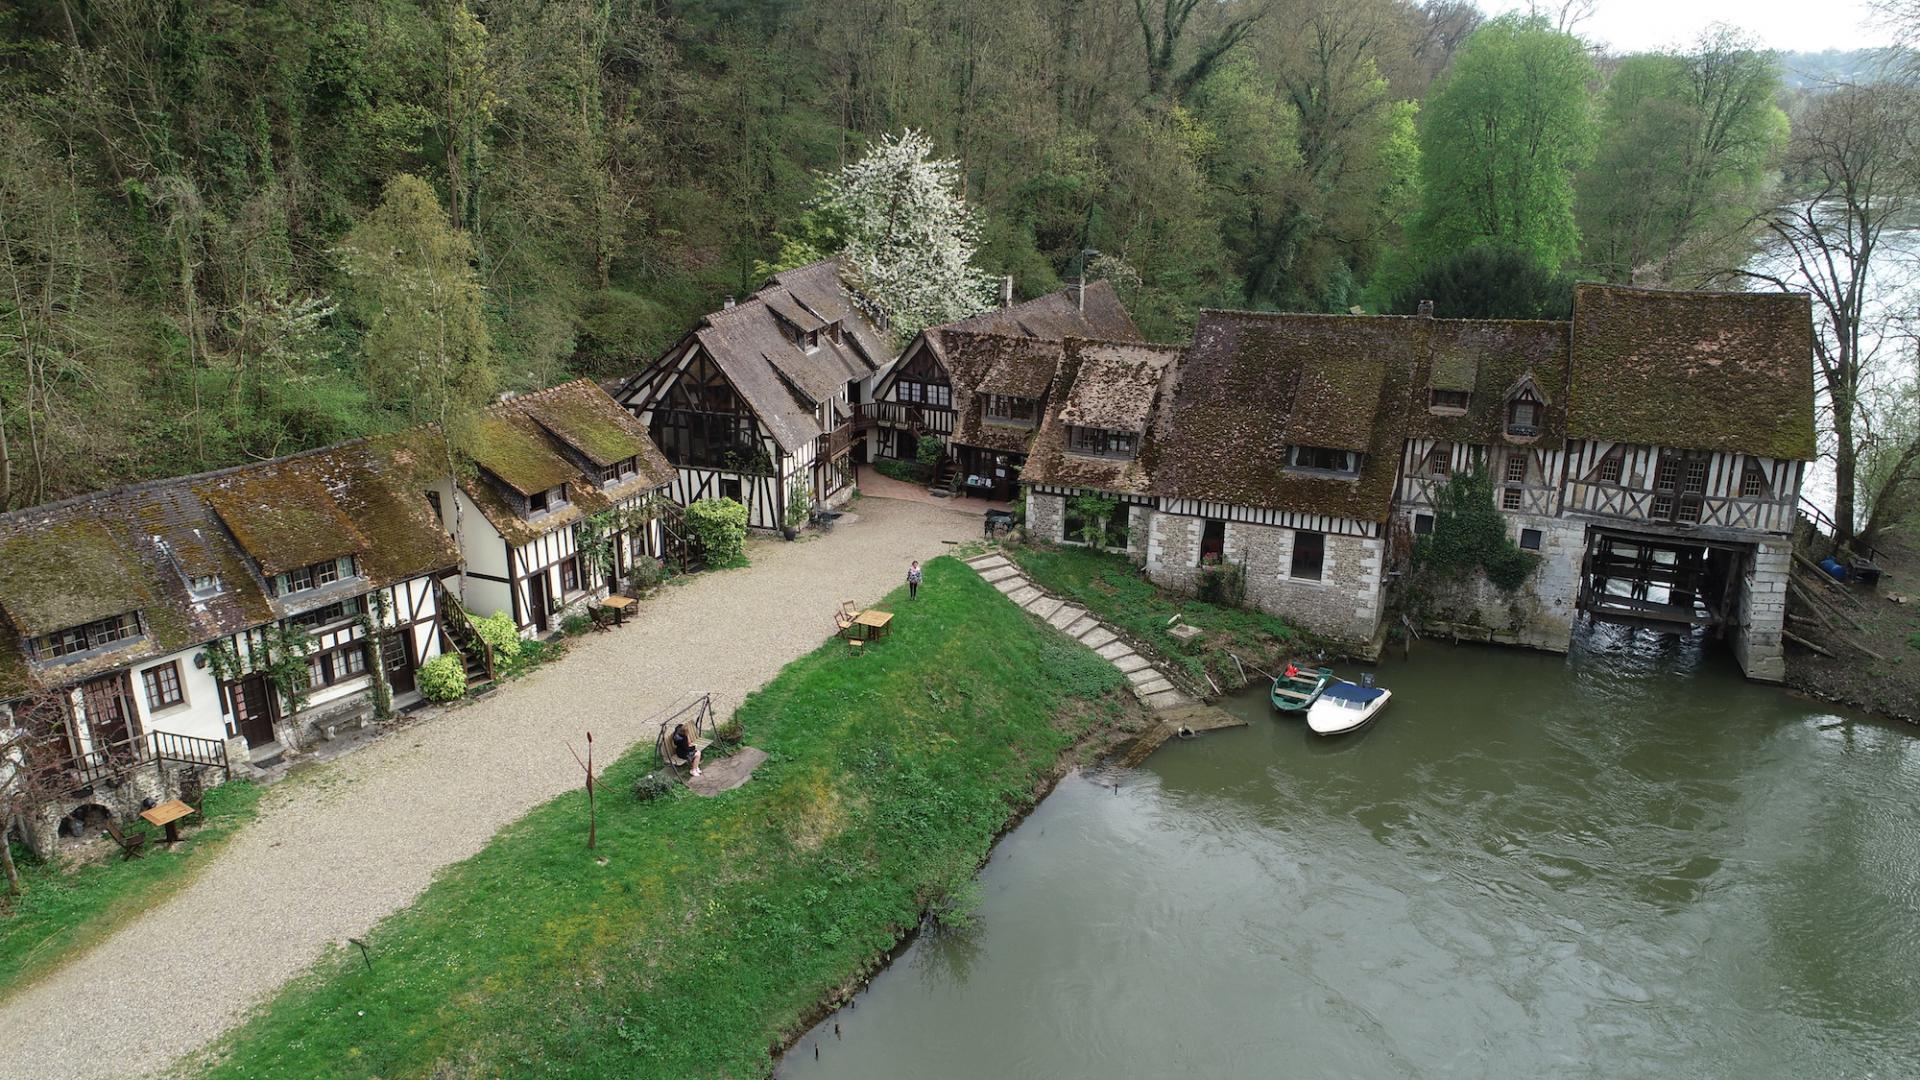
x: 223, y: 224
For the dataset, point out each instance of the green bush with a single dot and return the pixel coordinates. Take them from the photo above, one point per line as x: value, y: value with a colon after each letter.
x: 576, y: 624
x: 719, y: 529
x: 1469, y: 534
x: 498, y: 631
x: 907, y: 472
x: 654, y: 785
x: 645, y: 573
x: 797, y: 506
x: 443, y: 678
x: 929, y: 451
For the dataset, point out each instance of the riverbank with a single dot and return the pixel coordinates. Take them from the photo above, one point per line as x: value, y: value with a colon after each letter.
x: 1113, y: 588
x: 1888, y: 683
x: 701, y: 933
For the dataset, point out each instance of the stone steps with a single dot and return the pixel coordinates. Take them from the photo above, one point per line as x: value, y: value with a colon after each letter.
x: 1152, y: 687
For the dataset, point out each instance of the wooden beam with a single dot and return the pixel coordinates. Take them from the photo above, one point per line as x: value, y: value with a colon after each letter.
x: 1807, y: 645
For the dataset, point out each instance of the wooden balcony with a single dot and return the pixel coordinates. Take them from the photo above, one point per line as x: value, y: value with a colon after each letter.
x: 109, y: 764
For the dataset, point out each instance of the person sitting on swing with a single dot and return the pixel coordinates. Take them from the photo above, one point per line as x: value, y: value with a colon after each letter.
x: 683, y: 748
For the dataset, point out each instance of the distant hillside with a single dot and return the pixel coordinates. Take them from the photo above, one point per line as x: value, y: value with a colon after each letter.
x: 1804, y: 70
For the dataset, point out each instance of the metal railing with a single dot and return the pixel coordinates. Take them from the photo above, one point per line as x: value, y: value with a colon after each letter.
x: 157, y: 748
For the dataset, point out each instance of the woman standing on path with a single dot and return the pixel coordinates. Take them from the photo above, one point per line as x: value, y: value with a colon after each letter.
x: 913, y: 580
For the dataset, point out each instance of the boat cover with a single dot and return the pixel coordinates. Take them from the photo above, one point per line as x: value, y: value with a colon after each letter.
x: 1348, y: 692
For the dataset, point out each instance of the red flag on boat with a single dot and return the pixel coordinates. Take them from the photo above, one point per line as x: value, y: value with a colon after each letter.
x: 1292, y: 671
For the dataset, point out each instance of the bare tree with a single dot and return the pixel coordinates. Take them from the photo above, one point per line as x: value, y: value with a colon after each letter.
x: 31, y: 732
x: 1851, y: 178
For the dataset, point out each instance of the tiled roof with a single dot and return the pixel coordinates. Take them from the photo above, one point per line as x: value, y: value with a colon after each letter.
x: 1499, y: 353
x: 972, y: 359
x: 1248, y: 379
x: 1056, y: 316
x: 1118, y: 386
x: 283, y: 515
x: 1693, y: 370
x: 136, y: 548
x: 529, y: 435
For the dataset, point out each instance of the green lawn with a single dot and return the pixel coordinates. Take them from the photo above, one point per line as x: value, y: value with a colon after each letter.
x: 64, y: 911
x: 702, y: 931
x: 1112, y: 588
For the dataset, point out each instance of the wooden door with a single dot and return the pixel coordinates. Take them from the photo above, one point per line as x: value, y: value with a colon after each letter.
x: 537, y: 600
x: 252, y: 705
x: 396, y: 655
x: 108, y: 701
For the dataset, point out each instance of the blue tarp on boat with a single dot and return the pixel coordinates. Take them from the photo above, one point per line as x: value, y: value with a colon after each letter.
x: 1346, y: 691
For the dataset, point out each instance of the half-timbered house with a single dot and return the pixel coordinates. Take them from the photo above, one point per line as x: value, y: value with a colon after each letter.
x: 757, y: 402
x: 1089, y: 475
x: 1690, y: 427
x: 966, y: 384
x: 557, y: 510
x: 189, y: 625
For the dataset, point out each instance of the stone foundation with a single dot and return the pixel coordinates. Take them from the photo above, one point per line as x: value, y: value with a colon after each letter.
x: 1346, y: 604
x: 1538, y: 615
x: 123, y: 798
x: 1755, y: 630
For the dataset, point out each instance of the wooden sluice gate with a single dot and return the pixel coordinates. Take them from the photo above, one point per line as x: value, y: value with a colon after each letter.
x: 1172, y: 723
x: 1655, y: 579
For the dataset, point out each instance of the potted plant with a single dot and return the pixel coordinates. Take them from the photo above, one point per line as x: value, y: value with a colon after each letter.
x: 796, y: 511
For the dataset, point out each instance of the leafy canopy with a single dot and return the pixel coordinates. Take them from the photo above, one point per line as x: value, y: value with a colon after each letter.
x: 1500, y: 140
x: 1488, y: 283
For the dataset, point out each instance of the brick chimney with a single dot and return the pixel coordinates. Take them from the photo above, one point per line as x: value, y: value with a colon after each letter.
x: 1078, y: 290
x: 1426, y: 309
x: 728, y: 306
x: 1006, y: 291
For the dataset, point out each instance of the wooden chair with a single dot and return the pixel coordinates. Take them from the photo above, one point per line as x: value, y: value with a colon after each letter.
x: 131, y: 847
x: 843, y: 618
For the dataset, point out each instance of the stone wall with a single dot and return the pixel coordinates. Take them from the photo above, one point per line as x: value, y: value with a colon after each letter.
x: 1538, y: 615
x: 1047, y: 521
x: 1762, y: 613
x: 122, y: 798
x: 1346, y: 604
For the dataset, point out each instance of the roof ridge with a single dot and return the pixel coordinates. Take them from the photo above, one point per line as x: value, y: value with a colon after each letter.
x: 1657, y: 290
x: 529, y: 395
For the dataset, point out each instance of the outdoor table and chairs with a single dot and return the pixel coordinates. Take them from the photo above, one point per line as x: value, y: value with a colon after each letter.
x: 167, y: 815
x: 616, y: 608
x: 869, y: 625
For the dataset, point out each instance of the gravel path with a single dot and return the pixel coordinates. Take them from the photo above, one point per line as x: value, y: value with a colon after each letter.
x: 358, y: 838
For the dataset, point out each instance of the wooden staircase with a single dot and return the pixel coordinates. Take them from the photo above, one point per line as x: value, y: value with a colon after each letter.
x: 457, y: 629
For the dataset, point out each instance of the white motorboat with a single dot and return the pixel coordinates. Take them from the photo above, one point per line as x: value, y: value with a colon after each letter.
x: 1345, y: 706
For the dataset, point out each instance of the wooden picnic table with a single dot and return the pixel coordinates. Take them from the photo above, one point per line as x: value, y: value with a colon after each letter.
x: 873, y: 623
x: 168, y: 815
x: 618, y: 605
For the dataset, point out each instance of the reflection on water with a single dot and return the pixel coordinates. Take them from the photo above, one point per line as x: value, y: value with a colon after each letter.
x: 1623, y: 863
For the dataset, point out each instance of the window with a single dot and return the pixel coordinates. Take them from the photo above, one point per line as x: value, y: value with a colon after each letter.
x: 1663, y: 507
x: 1423, y: 524
x: 312, y: 577
x: 1448, y: 399
x: 1440, y: 460
x: 163, y: 686
x: 1516, y: 468
x: 1610, y: 469
x: 1530, y: 539
x: 1101, y: 442
x: 293, y: 581
x: 618, y: 471
x: 1753, y: 482
x: 1020, y: 411
x: 433, y: 501
x: 1213, y: 542
x: 1688, y: 511
x: 908, y: 392
x: 551, y: 499
x: 1510, y: 498
x: 1523, y: 418
x: 1324, y: 458
x: 570, y: 576
x: 1666, y: 475
x: 810, y: 340
x: 1116, y: 533
x: 325, y: 573
x: 730, y: 488
x: 337, y: 665
x: 204, y: 587
x: 1309, y: 554
x: 1696, y: 477
x: 94, y: 635
x: 332, y: 613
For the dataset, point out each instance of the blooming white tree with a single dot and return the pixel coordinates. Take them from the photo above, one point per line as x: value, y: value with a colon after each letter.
x: 908, y: 234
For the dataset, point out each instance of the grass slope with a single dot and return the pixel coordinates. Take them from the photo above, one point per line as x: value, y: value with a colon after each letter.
x: 1112, y: 588
x: 63, y: 912
x: 715, y: 925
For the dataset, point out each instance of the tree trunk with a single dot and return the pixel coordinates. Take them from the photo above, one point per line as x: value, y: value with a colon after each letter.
x: 14, y: 886
x: 1846, y: 457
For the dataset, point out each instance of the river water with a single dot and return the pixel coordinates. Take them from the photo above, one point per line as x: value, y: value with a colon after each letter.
x: 1626, y: 862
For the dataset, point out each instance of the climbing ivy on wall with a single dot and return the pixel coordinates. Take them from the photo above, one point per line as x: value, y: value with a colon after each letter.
x: 279, y: 653
x: 1469, y: 534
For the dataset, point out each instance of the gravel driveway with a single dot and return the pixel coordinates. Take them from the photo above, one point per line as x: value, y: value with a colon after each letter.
x: 360, y: 837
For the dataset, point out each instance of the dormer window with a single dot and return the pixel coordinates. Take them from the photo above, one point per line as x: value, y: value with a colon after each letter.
x: 810, y: 340
x: 304, y: 578
x: 204, y: 588
x: 1012, y: 411
x: 551, y: 499
x: 1101, y: 442
x: 618, y: 471
x: 1448, y: 401
x: 1324, y: 459
x: 86, y: 638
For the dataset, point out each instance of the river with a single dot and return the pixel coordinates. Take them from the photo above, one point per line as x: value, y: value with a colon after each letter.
x: 1626, y: 862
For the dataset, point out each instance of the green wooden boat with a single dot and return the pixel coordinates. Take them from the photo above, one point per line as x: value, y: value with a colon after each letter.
x: 1293, y: 693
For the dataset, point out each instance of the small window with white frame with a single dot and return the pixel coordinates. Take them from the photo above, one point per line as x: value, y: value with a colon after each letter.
x: 1324, y: 459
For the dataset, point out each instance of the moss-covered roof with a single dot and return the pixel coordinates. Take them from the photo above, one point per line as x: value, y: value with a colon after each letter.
x: 137, y: 548
x: 1245, y: 379
x: 1504, y: 352
x: 1020, y: 366
x: 1056, y: 316
x: 66, y: 573
x: 581, y: 415
x: 1118, y: 386
x: 1726, y: 372
x: 511, y: 447
x: 283, y: 516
